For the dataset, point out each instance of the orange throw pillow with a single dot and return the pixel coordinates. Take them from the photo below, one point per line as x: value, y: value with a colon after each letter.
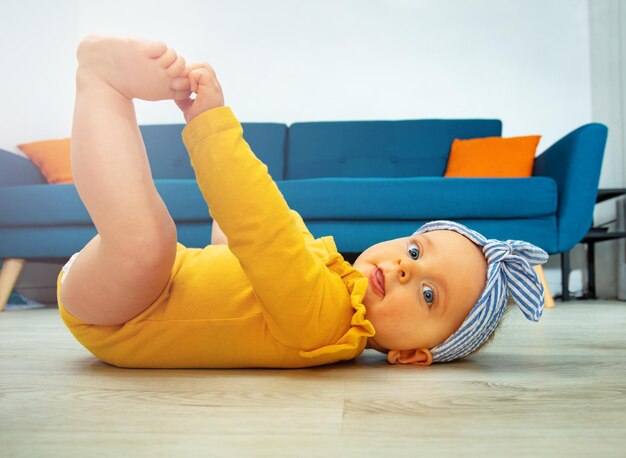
x: 52, y: 157
x: 491, y: 157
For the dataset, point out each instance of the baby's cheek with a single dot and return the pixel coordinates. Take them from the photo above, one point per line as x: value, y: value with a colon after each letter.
x: 396, y: 313
x: 376, y: 311
x: 390, y: 313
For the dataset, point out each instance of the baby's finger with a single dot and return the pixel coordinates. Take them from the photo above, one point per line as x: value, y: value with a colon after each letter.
x: 190, y: 68
x: 204, y: 77
x: 197, y: 77
x: 194, y: 77
x: 181, y: 95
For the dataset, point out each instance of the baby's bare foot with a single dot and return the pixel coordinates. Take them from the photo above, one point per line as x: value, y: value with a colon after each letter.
x: 136, y: 68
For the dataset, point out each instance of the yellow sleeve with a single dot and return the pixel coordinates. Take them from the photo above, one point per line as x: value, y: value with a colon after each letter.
x: 263, y: 233
x: 299, y: 222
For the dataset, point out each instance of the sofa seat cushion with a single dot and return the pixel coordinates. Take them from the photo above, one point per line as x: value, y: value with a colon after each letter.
x: 60, y: 204
x: 421, y: 198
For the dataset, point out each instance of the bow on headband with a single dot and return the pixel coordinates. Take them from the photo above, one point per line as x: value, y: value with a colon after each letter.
x: 509, y: 271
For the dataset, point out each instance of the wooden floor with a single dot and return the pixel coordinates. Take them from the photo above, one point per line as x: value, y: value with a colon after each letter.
x: 554, y: 388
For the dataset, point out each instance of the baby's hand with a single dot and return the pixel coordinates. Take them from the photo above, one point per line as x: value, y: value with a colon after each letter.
x: 202, y: 81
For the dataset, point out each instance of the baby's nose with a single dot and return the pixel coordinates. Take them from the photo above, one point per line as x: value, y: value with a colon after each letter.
x: 403, y: 271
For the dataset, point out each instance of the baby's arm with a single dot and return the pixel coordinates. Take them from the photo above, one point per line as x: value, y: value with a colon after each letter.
x: 219, y: 238
x: 205, y: 100
x: 204, y: 83
x: 289, y: 279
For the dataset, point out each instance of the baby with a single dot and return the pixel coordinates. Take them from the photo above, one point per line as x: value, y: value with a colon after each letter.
x: 265, y: 293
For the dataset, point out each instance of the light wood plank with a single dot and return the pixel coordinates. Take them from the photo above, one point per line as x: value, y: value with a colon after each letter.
x: 553, y: 388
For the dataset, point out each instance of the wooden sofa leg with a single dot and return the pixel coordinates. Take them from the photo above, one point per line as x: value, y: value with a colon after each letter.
x: 548, y: 299
x: 11, y: 269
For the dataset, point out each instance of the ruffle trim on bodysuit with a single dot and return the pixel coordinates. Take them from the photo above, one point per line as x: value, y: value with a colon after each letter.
x: 353, y: 342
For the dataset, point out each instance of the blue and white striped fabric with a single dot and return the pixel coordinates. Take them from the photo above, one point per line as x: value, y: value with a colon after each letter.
x: 509, y: 271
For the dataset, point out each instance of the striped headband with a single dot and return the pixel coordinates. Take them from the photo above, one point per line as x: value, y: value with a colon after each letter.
x: 509, y: 271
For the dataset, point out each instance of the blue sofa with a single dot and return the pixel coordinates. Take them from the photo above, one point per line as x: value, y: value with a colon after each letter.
x: 361, y: 181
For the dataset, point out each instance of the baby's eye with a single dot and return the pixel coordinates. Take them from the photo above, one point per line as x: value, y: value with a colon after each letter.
x: 414, y: 251
x: 429, y: 294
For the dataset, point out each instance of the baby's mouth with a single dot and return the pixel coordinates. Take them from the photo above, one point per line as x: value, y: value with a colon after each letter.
x: 377, y: 280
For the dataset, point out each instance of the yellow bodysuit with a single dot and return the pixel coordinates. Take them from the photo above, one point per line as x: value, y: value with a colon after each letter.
x: 274, y: 297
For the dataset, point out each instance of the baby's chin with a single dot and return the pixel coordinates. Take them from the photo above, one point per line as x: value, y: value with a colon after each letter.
x: 371, y: 299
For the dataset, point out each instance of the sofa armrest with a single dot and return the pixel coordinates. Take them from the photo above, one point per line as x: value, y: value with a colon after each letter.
x: 17, y: 170
x: 574, y: 162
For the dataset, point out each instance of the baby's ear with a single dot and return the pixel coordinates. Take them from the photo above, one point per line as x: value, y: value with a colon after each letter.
x: 417, y: 357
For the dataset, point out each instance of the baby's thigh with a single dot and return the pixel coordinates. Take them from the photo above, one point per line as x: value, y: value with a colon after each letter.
x: 105, y: 287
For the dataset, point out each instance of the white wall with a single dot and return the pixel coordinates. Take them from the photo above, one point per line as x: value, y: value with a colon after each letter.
x: 524, y: 62
x: 608, y: 69
x: 607, y: 20
x: 37, y: 48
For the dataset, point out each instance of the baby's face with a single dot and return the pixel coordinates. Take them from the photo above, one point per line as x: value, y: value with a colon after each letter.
x: 421, y: 288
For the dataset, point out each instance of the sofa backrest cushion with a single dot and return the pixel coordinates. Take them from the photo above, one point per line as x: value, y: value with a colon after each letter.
x: 169, y: 158
x: 409, y: 148
x: 16, y: 170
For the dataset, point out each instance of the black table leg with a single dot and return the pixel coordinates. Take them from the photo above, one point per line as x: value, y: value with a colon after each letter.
x: 565, y: 275
x: 591, y: 271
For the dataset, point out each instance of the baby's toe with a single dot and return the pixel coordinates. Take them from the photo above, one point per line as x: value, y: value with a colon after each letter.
x: 177, y: 68
x: 155, y: 49
x: 168, y: 58
x: 181, y: 95
x: 180, y: 84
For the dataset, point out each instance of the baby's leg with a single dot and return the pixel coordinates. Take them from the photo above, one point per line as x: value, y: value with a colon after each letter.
x: 122, y: 270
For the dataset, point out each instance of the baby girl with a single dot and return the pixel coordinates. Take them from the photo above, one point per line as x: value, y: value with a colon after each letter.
x: 265, y: 293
